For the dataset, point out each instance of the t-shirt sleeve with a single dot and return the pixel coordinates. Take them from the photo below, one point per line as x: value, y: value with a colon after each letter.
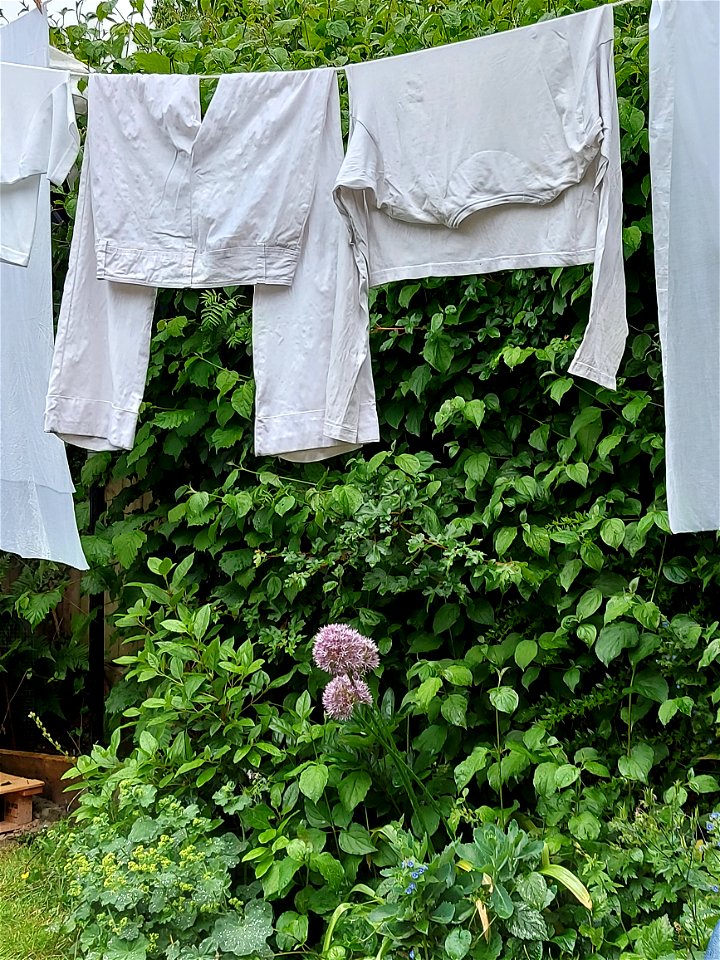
x: 52, y: 140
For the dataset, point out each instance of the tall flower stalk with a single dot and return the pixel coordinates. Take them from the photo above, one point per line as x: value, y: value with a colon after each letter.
x: 348, y: 657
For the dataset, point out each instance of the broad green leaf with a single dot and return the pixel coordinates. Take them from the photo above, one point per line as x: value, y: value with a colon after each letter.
x: 426, y: 692
x: 569, y: 572
x: 454, y: 709
x: 503, y: 538
x: 565, y: 775
x: 637, y: 765
x: 356, y: 841
x: 588, y: 604
x: 354, y: 788
x: 313, y: 781
x: 613, y: 532
x: 458, y: 943
x: 578, y: 472
x: 466, y: 769
x: 408, y: 463
x: 504, y: 699
x: 703, y: 784
x: 525, y: 653
x: 446, y: 617
x: 615, y: 638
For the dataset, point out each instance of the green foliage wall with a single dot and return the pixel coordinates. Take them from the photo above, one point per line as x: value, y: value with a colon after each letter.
x: 512, y: 518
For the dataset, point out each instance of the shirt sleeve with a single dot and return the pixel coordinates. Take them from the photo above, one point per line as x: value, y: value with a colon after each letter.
x: 52, y: 140
x: 603, y: 345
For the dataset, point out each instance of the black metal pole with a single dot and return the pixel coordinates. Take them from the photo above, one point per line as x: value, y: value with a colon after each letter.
x: 96, y: 638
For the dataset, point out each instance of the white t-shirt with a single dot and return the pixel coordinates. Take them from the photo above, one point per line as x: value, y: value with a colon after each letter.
x: 38, y: 137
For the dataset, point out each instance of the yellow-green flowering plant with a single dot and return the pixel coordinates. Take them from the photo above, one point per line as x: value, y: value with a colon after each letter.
x: 156, y: 883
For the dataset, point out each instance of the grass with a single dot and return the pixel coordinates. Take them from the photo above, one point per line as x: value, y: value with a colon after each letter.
x: 30, y: 884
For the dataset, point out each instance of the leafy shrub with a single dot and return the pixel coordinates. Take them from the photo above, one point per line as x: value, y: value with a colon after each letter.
x: 150, y: 881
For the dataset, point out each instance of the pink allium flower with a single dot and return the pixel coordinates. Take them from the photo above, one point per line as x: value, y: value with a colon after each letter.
x: 341, y: 696
x: 341, y: 651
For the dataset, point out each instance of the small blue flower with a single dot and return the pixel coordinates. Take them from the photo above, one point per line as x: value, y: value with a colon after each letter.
x: 716, y: 888
x: 710, y: 826
x: 411, y: 888
x: 408, y: 864
x: 412, y: 954
x: 715, y: 815
x: 415, y: 874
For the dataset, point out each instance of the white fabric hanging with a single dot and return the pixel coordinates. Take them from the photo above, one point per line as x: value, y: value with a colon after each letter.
x: 685, y: 172
x: 37, y: 514
x: 497, y: 153
x: 241, y: 196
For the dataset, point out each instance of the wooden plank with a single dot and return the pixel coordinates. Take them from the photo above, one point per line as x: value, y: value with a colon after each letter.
x: 47, y: 767
x: 11, y: 785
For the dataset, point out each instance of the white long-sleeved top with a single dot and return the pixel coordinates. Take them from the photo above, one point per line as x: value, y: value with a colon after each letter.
x: 501, y: 152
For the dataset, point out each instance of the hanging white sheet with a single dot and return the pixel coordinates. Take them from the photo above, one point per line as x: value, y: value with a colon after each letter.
x: 685, y: 172
x: 37, y: 515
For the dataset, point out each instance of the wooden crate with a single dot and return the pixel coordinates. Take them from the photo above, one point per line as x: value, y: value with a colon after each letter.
x: 16, y: 795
